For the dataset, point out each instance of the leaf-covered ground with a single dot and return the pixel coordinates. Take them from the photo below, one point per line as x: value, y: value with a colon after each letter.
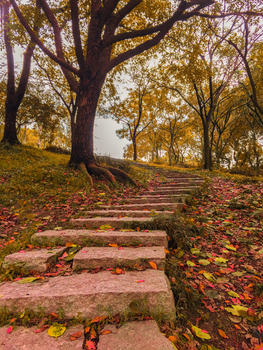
x: 223, y: 271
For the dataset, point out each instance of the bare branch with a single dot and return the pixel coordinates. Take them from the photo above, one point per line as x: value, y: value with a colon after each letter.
x: 76, y: 32
x: 35, y: 39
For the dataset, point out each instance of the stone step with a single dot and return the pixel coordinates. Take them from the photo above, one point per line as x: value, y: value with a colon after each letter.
x: 170, y: 191
x: 145, y: 334
x: 92, y: 295
x: 34, y: 260
x: 125, y: 213
x: 172, y: 188
x: 114, y: 222
x: 183, y: 179
x: 163, y: 205
x: 156, y: 199
x: 90, y: 237
x: 178, y: 184
x: 106, y: 257
x: 26, y: 338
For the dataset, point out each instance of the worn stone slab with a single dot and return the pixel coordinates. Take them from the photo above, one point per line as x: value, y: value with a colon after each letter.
x: 171, y: 191
x: 178, y: 198
x: 173, y: 185
x: 161, y: 206
x: 183, y: 179
x: 96, y: 222
x: 91, y: 237
x: 126, y: 213
x: 171, y: 188
x: 34, y: 260
x: 93, y: 257
x: 139, y: 335
x: 92, y: 295
x: 25, y: 338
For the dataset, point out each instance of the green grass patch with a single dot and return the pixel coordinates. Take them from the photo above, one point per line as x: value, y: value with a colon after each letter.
x: 27, y: 173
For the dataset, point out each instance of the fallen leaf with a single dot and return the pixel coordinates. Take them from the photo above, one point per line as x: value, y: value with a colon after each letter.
x: 9, y: 330
x: 222, y: 333
x: 90, y: 345
x: 28, y: 280
x: 187, y: 336
x: 173, y: 339
x: 153, y: 265
x: 98, y: 319
x: 209, y: 276
x: 230, y: 247
x: 114, y: 245
x: 201, y: 333
x: 233, y: 294
x: 203, y: 262
x: 105, y: 331
x: 237, y: 310
x: 118, y: 271
x: 56, y: 330
x: 75, y: 336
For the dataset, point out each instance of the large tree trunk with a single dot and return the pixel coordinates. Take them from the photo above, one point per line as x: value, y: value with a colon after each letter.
x: 134, y: 145
x: 207, y: 152
x: 10, y: 131
x: 82, y: 147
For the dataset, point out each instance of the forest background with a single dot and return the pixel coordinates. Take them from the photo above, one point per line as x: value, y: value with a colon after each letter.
x: 194, y: 99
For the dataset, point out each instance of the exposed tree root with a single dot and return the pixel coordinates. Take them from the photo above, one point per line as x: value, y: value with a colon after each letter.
x: 108, y: 173
x: 82, y: 167
x: 99, y: 171
x: 122, y: 176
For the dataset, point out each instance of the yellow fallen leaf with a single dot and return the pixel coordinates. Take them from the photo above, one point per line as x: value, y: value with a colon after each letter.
x: 201, y: 333
x: 114, y: 245
x: 56, y: 330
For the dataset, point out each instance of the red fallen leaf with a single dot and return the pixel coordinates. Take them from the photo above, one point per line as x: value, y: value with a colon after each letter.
x: 251, y: 312
x: 139, y: 281
x: 208, y: 307
x: 40, y: 330
x: 10, y: 329
x: 90, y: 345
x: 98, y: 319
x: 53, y: 314
x: 75, y: 336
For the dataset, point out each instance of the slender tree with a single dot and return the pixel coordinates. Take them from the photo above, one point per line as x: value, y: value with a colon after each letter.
x: 99, y: 47
x: 15, y: 95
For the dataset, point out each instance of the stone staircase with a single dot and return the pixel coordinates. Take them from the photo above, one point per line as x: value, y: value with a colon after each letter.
x: 111, y: 290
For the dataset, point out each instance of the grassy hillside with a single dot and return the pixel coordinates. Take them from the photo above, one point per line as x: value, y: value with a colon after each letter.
x: 39, y: 191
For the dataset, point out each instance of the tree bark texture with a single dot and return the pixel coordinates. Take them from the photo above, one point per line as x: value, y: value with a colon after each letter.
x: 14, y: 96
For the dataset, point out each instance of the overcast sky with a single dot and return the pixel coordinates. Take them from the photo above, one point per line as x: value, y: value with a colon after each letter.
x: 106, y: 141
